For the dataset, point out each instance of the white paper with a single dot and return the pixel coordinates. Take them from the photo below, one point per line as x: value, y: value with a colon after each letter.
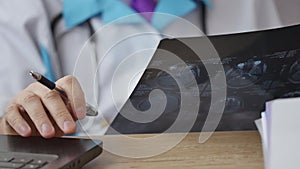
x: 279, y: 128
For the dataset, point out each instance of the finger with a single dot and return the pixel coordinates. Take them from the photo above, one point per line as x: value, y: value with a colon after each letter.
x: 75, y: 94
x: 35, y: 109
x: 58, y: 110
x: 55, y: 105
x: 16, y: 121
x: 58, y: 132
x: 34, y: 131
x: 60, y: 117
x: 6, y: 129
x: 23, y: 113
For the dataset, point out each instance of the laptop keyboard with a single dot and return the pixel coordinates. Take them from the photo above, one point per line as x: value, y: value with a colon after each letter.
x: 9, y: 160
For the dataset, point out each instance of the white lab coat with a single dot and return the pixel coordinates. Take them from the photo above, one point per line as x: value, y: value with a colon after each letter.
x: 24, y: 25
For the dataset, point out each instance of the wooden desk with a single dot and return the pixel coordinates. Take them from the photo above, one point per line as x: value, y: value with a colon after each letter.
x: 224, y: 150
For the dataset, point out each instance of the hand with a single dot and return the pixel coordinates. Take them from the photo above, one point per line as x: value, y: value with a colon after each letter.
x: 38, y: 110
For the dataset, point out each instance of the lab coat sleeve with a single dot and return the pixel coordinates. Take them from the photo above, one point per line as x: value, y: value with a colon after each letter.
x: 23, y: 26
x: 289, y: 11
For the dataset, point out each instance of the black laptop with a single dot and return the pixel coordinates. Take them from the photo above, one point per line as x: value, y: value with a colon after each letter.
x: 37, y: 152
x: 258, y: 66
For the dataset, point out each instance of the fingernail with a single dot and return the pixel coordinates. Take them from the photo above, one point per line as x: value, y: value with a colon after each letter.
x: 69, y: 126
x: 80, y: 113
x: 46, y: 128
x: 23, y: 129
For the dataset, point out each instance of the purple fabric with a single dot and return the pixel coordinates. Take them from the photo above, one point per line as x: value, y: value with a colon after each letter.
x: 142, y: 6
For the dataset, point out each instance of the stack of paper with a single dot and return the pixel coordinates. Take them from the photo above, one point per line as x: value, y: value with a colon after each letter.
x: 279, y: 128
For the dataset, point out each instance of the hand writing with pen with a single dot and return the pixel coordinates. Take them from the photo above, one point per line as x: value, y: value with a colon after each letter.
x: 38, y: 110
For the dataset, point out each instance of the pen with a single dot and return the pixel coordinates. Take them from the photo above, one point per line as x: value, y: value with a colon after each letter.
x: 90, y: 110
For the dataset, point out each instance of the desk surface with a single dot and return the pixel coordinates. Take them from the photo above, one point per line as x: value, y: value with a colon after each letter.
x: 226, y: 150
